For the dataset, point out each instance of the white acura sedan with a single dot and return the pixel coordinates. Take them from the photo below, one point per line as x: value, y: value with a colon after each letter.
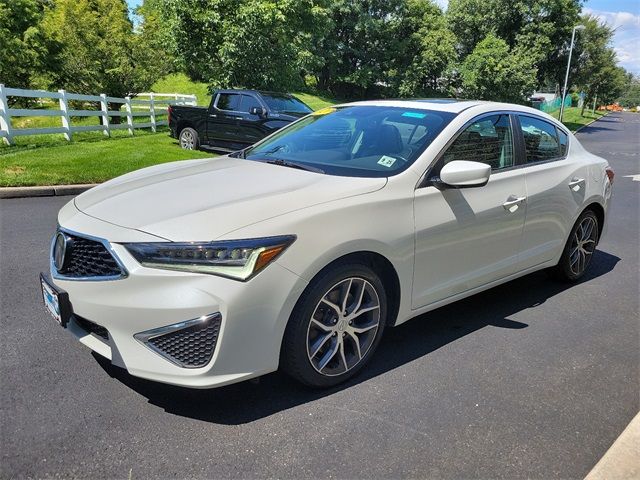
x: 299, y: 251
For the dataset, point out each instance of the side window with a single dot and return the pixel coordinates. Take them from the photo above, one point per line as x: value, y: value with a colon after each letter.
x: 540, y: 139
x: 489, y: 140
x: 249, y: 102
x: 564, y: 140
x: 228, y: 101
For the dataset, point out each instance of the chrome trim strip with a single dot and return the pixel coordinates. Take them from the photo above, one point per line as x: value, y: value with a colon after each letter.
x: 144, y: 337
x: 93, y: 278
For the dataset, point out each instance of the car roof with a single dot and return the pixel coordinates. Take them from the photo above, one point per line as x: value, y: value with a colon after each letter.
x: 250, y: 90
x: 458, y: 106
x: 451, y: 105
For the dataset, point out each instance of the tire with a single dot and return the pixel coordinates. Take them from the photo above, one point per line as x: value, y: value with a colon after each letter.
x: 579, y: 249
x: 189, y: 139
x: 320, y: 340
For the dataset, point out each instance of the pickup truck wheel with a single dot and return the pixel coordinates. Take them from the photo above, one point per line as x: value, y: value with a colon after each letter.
x: 189, y: 139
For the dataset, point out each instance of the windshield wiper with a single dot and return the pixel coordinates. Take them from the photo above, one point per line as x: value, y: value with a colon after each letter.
x: 272, y: 150
x: 299, y: 166
x: 238, y: 154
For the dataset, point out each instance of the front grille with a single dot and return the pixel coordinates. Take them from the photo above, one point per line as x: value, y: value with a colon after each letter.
x: 88, y: 258
x: 90, y: 327
x: 191, y: 346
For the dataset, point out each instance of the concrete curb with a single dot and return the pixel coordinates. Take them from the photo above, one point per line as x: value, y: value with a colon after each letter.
x: 48, y: 191
x: 622, y: 460
x: 592, y: 121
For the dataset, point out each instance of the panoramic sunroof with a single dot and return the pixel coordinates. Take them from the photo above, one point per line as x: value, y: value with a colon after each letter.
x: 436, y: 100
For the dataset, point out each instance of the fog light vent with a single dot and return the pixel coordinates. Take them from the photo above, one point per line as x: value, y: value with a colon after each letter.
x: 188, y: 344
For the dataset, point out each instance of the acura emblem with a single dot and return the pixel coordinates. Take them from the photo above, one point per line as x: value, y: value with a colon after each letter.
x: 61, y: 247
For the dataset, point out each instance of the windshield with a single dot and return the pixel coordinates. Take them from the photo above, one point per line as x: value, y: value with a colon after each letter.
x: 356, y: 141
x: 284, y: 104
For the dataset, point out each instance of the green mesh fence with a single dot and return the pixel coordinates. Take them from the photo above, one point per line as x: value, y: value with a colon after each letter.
x: 553, y: 105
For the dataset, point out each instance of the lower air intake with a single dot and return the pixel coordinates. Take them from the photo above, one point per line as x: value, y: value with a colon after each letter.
x: 188, y: 344
x: 90, y: 327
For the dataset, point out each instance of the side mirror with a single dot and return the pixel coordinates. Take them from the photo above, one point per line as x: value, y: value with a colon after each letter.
x: 259, y: 111
x: 464, y: 174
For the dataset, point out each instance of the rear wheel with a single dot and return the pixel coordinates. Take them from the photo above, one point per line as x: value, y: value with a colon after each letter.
x: 335, y: 326
x: 189, y: 139
x: 579, y: 249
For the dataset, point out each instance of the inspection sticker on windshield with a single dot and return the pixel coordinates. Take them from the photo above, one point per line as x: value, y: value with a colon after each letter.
x: 324, y: 111
x: 386, y: 161
x: 414, y: 114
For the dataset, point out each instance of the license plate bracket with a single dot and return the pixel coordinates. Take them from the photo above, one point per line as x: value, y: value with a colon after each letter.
x: 56, y: 301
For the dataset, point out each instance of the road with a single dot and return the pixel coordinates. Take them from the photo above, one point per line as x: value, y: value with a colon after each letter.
x: 530, y: 379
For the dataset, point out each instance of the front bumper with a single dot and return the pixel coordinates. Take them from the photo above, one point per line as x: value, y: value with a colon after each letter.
x: 253, y: 315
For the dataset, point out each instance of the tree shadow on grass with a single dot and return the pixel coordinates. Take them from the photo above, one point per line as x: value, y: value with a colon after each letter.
x: 276, y: 392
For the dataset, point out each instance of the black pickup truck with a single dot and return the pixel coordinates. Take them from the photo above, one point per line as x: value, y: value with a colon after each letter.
x: 234, y: 120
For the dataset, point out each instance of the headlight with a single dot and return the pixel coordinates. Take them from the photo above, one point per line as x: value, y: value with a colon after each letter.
x: 237, y: 259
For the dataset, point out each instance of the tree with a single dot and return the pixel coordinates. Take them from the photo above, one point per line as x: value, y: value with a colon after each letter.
x: 99, y: 51
x: 542, y: 28
x: 630, y: 98
x: 421, y: 51
x: 356, y: 48
x: 243, y: 43
x: 195, y: 31
x: 267, y: 44
x: 23, y: 50
x: 155, y: 39
x: 596, y: 71
x: 493, y: 71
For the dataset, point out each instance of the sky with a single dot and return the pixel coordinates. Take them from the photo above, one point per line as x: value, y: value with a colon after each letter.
x: 622, y: 15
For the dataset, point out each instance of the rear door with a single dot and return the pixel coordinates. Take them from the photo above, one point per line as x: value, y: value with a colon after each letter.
x: 222, y: 123
x: 466, y: 238
x: 555, y: 189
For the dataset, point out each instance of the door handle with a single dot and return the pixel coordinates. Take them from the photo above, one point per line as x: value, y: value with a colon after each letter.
x: 238, y: 118
x: 576, y: 183
x: 512, y: 203
x: 213, y: 115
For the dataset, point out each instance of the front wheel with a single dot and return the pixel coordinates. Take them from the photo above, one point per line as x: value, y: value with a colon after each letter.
x: 336, y: 326
x: 189, y: 139
x: 579, y: 249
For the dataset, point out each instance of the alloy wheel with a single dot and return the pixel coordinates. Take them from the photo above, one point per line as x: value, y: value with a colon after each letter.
x: 583, y: 244
x: 343, y: 326
x: 187, y: 141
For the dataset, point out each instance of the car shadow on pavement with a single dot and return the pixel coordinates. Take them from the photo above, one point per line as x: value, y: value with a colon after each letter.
x: 252, y: 400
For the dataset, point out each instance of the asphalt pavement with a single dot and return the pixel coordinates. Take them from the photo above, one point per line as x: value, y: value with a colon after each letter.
x: 532, y: 379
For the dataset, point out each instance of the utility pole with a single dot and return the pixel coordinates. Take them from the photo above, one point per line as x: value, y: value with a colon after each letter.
x: 566, y: 77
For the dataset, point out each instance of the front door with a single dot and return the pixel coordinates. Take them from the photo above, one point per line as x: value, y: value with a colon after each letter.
x: 251, y: 128
x: 466, y: 238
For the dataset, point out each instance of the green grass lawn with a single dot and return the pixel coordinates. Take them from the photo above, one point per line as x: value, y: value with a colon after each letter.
x: 180, y: 83
x: 573, y: 120
x: 88, y: 161
x: 92, y: 157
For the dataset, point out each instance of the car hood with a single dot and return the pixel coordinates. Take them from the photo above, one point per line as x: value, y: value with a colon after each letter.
x: 200, y: 200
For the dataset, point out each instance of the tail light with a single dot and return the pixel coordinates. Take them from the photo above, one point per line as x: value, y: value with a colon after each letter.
x: 610, y: 174
x: 169, y: 114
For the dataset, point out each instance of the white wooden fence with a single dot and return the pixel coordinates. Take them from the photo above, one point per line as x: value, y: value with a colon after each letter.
x: 143, y: 105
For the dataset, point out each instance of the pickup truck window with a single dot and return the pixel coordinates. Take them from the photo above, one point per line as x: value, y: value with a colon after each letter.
x: 284, y: 104
x: 249, y: 102
x: 228, y: 101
